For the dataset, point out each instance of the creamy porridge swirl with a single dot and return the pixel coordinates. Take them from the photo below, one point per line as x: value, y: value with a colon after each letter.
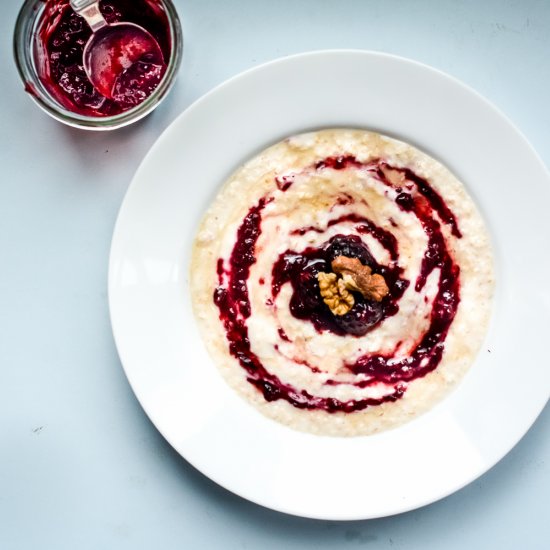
x: 282, y: 219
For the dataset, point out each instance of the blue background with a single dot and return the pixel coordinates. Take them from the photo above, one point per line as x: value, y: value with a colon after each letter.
x: 81, y: 466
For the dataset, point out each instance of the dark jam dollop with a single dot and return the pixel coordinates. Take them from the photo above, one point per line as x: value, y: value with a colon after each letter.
x: 62, y: 37
x: 300, y: 269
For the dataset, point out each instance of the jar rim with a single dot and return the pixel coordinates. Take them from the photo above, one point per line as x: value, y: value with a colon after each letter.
x: 23, y: 38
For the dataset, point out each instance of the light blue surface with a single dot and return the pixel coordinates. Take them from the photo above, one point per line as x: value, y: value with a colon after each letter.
x: 81, y: 467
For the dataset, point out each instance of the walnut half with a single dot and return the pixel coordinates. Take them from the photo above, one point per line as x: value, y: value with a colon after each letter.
x: 334, y: 293
x: 359, y: 277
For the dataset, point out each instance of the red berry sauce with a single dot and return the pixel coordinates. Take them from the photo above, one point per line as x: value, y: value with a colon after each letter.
x: 61, y: 40
x: 300, y: 270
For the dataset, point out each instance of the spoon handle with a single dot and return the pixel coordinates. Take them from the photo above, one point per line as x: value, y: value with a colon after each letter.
x: 89, y: 9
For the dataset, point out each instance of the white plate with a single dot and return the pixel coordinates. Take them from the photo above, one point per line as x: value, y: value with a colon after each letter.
x: 161, y: 350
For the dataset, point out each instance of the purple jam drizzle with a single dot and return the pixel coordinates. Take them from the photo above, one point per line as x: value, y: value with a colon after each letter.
x: 300, y: 270
x: 284, y: 182
x: 434, y: 198
x: 385, y: 238
x: 339, y: 163
x: 242, y: 257
x: 283, y: 335
x: 62, y: 38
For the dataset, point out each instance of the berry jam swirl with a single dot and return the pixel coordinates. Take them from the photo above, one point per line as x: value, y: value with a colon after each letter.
x: 291, y: 285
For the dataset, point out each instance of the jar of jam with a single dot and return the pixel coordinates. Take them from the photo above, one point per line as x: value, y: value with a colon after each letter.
x: 49, y: 41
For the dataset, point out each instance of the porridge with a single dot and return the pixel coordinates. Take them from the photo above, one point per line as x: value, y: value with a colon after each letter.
x: 342, y: 281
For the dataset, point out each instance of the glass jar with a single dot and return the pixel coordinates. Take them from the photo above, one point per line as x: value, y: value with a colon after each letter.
x: 28, y: 54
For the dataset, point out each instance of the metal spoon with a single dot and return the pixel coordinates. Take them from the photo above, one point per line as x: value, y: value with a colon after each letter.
x: 112, y: 49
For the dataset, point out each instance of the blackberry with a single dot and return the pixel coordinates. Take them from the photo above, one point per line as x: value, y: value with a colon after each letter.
x: 350, y: 246
x: 361, y: 318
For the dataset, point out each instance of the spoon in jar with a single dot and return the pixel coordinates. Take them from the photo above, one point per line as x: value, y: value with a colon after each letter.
x: 113, y: 52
